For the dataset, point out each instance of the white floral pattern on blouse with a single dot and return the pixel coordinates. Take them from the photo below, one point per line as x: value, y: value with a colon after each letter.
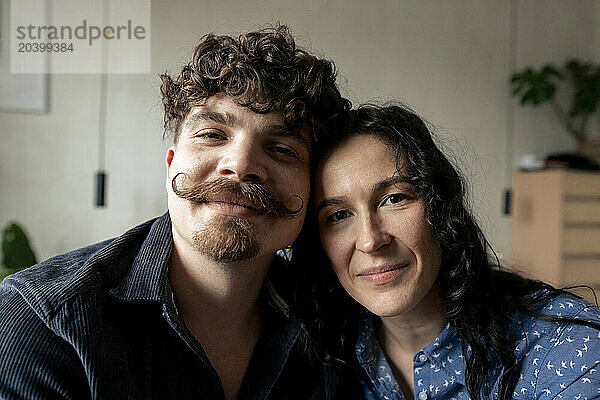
x: 555, y: 360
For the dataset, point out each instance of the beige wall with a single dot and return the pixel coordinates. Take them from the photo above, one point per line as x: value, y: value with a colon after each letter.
x: 448, y: 59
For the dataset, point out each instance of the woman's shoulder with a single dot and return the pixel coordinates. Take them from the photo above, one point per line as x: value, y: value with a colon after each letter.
x: 562, y: 316
x: 559, y: 351
x: 568, y: 306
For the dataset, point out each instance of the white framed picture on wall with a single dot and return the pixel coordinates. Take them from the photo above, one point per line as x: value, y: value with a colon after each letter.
x: 20, y: 92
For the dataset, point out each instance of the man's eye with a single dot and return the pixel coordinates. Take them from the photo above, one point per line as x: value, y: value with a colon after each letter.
x: 394, y: 199
x: 338, y: 216
x: 210, y: 135
x: 284, y: 150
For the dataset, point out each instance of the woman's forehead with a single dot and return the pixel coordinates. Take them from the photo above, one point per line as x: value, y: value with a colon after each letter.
x: 357, y: 163
x: 359, y: 148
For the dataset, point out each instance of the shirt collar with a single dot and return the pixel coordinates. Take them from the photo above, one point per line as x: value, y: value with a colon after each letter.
x: 372, y: 360
x: 367, y: 346
x: 445, y: 352
x: 147, y: 280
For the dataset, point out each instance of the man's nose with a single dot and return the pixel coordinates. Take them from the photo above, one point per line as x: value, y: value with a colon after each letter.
x: 371, y: 235
x: 243, y: 161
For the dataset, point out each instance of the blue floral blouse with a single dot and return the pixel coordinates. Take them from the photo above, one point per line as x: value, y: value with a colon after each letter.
x: 555, y: 361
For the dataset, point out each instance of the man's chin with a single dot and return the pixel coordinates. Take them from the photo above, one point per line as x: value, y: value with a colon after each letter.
x: 227, y: 239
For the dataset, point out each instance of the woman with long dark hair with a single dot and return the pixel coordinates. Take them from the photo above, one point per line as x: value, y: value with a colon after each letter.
x: 430, y: 312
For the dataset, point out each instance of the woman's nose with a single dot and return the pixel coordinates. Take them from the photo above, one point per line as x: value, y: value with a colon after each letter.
x: 371, y: 236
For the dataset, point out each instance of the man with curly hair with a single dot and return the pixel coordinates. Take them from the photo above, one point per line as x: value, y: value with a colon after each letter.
x: 193, y: 304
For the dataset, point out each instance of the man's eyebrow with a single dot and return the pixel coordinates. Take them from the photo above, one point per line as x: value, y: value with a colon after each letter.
x: 228, y: 119
x: 391, y: 181
x: 294, y: 134
x: 223, y: 118
x: 332, y: 201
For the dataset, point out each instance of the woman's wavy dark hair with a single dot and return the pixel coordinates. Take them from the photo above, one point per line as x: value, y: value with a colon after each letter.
x: 481, y: 300
x: 261, y: 70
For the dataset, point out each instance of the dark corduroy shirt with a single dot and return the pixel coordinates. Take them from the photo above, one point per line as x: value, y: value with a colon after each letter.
x: 100, y: 322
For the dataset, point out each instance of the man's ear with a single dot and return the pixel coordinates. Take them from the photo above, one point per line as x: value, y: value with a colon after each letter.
x: 168, y: 160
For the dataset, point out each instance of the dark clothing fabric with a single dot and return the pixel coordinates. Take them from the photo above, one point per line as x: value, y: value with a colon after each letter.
x: 101, y: 322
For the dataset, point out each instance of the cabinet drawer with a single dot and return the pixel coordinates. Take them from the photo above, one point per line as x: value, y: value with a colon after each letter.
x: 581, y: 241
x: 584, y: 271
x: 582, y: 211
x: 582, y: 184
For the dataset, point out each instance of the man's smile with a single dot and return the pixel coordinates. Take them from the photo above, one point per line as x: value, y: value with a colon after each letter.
x: 234, y: 206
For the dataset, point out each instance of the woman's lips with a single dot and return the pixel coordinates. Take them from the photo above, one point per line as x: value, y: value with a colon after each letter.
x: 382, y: 274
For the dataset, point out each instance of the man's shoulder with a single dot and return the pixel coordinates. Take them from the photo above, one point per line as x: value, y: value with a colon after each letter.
x: 46, y: 286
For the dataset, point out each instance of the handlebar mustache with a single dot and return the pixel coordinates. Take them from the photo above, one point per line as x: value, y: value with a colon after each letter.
x: 250, y: 194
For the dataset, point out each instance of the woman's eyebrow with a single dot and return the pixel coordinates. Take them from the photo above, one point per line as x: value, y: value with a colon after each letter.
x: 332, y: 201
x: 391, y: 181
x: 377, y: 187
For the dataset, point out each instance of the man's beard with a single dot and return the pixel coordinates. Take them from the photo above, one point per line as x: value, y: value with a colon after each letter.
x: 227, y: 238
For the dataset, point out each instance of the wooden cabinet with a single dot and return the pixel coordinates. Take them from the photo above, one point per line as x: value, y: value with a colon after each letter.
x: 556, y: 228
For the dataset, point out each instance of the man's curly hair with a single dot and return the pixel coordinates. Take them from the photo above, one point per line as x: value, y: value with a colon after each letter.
x: 261, y: 70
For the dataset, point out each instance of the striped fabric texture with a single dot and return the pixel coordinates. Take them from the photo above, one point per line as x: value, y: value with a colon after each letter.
x: 100, y: 323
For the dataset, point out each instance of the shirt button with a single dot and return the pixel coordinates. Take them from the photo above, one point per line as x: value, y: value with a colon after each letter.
x: 422, y: 396
x: 422, y: 358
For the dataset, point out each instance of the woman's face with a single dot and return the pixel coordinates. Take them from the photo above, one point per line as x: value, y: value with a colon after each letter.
x: 374, y: 229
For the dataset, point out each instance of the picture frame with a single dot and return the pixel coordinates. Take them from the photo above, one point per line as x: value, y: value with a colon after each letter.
x: 21, y: 93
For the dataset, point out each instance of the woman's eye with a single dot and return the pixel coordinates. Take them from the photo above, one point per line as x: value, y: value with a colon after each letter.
x: 338, y: 216
x: 394, y: 198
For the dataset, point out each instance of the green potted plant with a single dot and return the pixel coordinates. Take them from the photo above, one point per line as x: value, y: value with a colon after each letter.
x: 540, y: 86
x: 16, y: 251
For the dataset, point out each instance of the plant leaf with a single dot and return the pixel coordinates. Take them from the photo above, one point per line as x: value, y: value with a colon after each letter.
x: 16, y: 249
